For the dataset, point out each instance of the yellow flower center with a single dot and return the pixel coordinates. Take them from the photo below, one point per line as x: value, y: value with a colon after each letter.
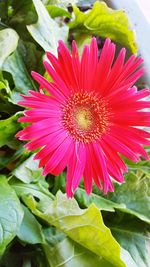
x: 85, y: 116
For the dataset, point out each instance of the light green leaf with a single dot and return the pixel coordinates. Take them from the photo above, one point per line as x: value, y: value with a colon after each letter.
x: 85, y: 227
x: 105, y: 22
x: 11, y: 214
x: 46, y: 31
x: 8, y: 43
x: 8, y: 129
x: 30, y: 230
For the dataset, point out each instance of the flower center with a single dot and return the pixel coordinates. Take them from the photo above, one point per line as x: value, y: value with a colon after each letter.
x: 85, y: 116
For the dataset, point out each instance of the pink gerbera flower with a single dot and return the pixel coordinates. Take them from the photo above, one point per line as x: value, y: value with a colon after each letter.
x: 89, y: 116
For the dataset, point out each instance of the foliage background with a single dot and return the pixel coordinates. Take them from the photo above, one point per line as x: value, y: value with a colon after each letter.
x: 39, y: 226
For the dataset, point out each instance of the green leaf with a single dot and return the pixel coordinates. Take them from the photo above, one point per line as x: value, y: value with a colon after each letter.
x: 85, y: 227
x: 11, y: 214
x: 28, y: 171
x: 132, y: 197
x: 135, y: 195
x: 30, y: 192
x: 23, y: 12
x: 132, y: 236
x: 82, y: 40
x: 105, y: 22
x: 140, y: 168
x: 14, y: 64
x: 4, y: 85
x: 3, y: 9
x: 68, y: 253
x: 8, y: 43
x: 8, y: 129
x: 31, y: 56
x: 56, y: 11
x: 46, y: 31
x: 100, y: 202
x: 30, y: 230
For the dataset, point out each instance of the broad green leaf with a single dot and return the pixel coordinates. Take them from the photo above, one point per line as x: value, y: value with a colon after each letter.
x: 8, y: 43
x: 85, y: 227
x: 105, y: 22
x: 14, y: 64
x: 11, y: 214
x: 132, y: 236
x: 68, y: 253
x: 46, y: 31
x: 28, y: 171
x: 8, y: 129
x: 30, y: 230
